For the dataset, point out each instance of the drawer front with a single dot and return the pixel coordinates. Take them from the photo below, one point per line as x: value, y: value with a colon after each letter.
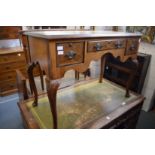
x: 12, y: 66
x: 132, y: 46
x: 8, y: 85
x: 100, y: 45
x: 10, y: 75
x: 12, y: 57
x: 69, y: 53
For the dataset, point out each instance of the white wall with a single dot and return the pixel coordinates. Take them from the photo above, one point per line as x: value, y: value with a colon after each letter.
x: 109, y: 28
x: 149, y: 84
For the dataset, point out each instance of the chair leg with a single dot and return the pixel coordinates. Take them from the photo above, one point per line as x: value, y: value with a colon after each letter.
x: 32, y: 83
x: 132, y: 74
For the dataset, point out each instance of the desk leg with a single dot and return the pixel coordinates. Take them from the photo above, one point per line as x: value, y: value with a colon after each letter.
x: 52, y: 87
x: 133, y: 73
x: 77, y: 75
x: 103, y: 59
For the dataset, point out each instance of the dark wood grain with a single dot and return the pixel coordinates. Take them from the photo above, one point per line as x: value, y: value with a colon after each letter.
x: 52, y: 87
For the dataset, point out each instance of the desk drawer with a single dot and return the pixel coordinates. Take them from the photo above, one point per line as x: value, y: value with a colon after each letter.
x: 69, y: 53
x: 11, y: 75
x: 100, y: 45
x: 11, y: 66
x: 132, y: 46
x: 12, y: 57
x: 8, y: 85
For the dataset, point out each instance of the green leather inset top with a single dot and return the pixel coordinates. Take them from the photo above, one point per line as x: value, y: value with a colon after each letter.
x: 80, y: 104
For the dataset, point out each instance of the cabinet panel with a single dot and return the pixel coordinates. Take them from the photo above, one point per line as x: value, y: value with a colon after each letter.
x: 9, y: 32
x: 132, y: 46
x: 8, y: 58
x: 11, y: 66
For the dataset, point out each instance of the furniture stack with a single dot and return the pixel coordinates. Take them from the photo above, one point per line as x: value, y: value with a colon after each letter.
x: 10, y: 59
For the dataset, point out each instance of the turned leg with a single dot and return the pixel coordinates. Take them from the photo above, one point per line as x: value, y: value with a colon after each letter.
x: 52, y: 87
x: 77, y: 75
x: 32, y: 83
x: 132, y: 74
x: 87, y: 73
x: 129, y: 84
x: 103, y: 60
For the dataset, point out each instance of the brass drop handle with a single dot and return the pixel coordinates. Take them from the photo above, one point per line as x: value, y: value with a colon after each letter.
x: 7, y: 67
x: 132, y: 47
x: 9, y: 77
x: 70, y: 54
x: 118, y: 45
x: 98, y: 46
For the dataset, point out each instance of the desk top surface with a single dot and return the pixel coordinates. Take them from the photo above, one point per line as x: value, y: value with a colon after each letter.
x: 80, y: 105
x: 78, y: 34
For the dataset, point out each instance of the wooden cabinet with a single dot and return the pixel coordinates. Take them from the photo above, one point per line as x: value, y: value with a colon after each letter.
x: 10, y: 60
x: 9, y: 32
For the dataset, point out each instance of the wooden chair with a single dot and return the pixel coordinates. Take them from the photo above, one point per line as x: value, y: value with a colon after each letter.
x: 129, y: 67
x: 26, y: 84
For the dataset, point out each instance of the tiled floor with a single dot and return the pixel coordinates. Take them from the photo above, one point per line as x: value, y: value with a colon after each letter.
x: 9, y: 113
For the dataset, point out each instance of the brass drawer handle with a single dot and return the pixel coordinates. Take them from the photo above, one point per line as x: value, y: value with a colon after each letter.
x: 7, y: 67
x: 9, y: 77
x: 70, y: 54
x: 118, y: 45
x: 132, y: 47
x: 98, y: 46
x: 11, y: 86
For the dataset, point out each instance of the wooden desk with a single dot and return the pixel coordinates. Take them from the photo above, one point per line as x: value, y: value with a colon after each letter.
x: 59, y: 51
x: 87, y: 104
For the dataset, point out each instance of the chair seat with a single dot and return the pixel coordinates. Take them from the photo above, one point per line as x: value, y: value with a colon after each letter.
x: 80, y: 104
